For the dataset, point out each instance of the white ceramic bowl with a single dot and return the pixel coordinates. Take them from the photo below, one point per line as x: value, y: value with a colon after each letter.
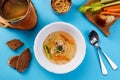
x: 80, y: 51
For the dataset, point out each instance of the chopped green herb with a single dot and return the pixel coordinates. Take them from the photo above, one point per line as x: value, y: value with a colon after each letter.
x: 59, y: 48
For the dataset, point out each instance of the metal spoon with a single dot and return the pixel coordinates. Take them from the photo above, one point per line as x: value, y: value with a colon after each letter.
x: 93, y: 37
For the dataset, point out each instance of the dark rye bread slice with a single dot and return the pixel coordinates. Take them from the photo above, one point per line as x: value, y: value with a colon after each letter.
x: 92, y: 18
x: 23, y: 60
x: 15, y: 44
x: 12, y: 61
x: 20, y: 62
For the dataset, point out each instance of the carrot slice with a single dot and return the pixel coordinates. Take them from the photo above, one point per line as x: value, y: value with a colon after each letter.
x: 60, y: 58
x: 113, y: 10
x: 67, y: 37
x: 111, y: 13
x: 112, y: 7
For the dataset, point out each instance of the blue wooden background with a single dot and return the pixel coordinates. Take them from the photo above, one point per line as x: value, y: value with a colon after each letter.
x: 88, y: 70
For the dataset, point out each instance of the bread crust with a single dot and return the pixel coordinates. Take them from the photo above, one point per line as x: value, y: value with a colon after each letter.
x: 12, y: 61
x: 15, y: 44
x: 23, y: 60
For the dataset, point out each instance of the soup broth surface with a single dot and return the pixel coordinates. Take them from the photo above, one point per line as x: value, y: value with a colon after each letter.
x: 14, y: 9
x: 59, y: 47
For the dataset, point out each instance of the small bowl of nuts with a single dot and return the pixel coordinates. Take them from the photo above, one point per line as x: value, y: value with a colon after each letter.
x: 61, y: 6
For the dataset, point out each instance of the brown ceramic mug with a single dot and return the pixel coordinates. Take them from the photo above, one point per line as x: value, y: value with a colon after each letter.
x: 19, y: 14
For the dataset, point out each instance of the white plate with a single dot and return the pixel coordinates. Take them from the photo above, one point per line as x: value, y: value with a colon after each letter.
x: 74, y: 32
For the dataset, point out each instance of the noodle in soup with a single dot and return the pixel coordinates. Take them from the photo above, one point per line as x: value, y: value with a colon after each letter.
x: 59, y: 47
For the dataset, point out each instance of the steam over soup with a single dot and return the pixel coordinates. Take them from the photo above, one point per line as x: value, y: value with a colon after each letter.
x: 59, y: 47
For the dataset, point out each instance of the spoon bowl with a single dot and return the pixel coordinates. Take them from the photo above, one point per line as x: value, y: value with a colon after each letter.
x: 93, y: 37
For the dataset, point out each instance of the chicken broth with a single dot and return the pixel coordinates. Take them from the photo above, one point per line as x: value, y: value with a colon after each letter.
x: 59, y: 47
x: 14, y: 9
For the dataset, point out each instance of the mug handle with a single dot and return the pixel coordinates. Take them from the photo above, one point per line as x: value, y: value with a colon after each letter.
x: 3, y: 23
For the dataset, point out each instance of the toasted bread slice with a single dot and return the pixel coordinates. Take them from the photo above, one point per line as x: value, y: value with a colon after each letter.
x: 23, y: 60
x: 15, y: 44
x: 12, y: 61
x: 92, y: 17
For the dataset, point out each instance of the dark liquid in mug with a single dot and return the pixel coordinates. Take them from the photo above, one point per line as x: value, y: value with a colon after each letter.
x: 14, y: 8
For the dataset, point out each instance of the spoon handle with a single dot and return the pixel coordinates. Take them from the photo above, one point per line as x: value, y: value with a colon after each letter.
x: 112, y: 64
x: 103, y: 68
